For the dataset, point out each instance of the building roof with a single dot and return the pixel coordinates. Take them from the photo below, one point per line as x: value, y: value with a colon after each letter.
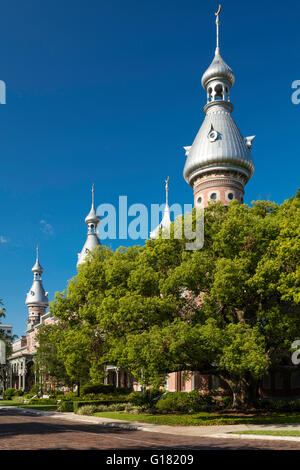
x: 219, y: 145
x: 37, y: 295
x: 92, y: 241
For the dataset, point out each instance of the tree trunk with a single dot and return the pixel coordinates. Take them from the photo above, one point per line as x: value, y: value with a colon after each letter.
x: 244, y: 390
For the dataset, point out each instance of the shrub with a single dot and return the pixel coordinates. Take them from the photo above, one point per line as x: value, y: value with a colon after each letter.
x: 97, y: 388
x: 9, y: 393
x: 147, y: 398
x: 36, y: 388
x: 87, y: 410
x: 66, y: 406
x: 123, y: 390
x: 184, y: 402
x: 91, y: 409
x: 279, y: 405
x: 19, y: 399
x: 227, y: 401
x: 42, y: 401
x: 79, y: 404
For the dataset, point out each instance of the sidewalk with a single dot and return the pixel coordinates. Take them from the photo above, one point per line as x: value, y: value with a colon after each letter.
x: 201, y: 431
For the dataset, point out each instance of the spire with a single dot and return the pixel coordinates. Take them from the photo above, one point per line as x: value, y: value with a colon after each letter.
x: 166, y: 220
x: 218, y: 26
x: 37, y: 295
x: 218, y: 78
x: 92, y: 220
x: 167, y: 190
x: 37, y: 268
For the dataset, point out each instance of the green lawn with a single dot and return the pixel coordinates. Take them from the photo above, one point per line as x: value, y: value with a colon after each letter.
x: 270, y: 433
x: 33, y: 407
x: 205, y: 419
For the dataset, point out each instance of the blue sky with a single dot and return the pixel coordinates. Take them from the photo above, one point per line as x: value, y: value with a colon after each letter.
x: 109, y: 93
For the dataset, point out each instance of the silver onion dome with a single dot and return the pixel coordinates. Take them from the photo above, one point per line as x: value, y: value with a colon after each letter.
x: 218, y: 146
x: 218, y: 70
x: 37, y: 295
x: 92, y: 241
x: 92, y: 217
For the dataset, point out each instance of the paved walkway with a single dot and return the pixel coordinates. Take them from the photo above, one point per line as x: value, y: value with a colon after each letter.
x: 223, y: 431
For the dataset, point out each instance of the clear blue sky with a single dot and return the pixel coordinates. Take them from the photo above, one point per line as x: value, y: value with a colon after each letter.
x: 109, y: 93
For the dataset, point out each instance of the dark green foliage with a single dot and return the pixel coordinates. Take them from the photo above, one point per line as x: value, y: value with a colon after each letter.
x: 42, y: 401
x: 239, y: 311
x: 279, y: 405
x: 97, y: 388
x: 66, y: 406
x: 227, y: 401
x: 147, y: 398
x: 9, y: 393
x: 183, y: 402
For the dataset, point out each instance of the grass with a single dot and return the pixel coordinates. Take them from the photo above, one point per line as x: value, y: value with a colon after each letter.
x: 270, y: 433
x: 33, y: 407
x: 205, y: 419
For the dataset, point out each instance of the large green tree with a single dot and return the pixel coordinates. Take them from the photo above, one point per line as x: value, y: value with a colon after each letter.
x: 229, y: 309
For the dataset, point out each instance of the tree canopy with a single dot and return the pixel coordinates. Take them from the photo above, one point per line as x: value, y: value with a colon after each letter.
x: 227, y: 309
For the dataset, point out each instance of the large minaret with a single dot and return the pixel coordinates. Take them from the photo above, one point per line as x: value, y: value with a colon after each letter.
x: 219, y: 163
x: 92, y: 240
x: 37, y: 299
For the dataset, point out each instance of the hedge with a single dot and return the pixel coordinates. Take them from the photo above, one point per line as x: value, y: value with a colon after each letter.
x: 79, y: 404
x: 67, y: 406
x: 97, y: 388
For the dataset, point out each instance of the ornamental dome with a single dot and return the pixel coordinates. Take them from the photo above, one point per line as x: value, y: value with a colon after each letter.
x: 218, y: 146
x: 92, y: 217
x: 92, y: 241
x: 218, y: 70
x: 37, y: 295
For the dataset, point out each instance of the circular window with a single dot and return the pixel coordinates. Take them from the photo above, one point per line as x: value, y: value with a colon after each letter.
x: 230, y: 196
x: 199, y: 200
x: 213, y: 196
x: 212, y: 136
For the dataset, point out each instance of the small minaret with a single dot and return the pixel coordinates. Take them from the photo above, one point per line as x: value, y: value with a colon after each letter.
x: 37, y: 299
x: 92, y: 240
x: 166, y: 220
x: 219, y: 163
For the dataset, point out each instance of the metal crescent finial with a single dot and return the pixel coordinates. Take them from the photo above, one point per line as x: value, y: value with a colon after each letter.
x: 219, y: 10
x: 93, y: 191
x: 218, y: 24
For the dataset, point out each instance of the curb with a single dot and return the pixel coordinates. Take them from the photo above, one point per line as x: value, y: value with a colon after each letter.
x: 256, y: 436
